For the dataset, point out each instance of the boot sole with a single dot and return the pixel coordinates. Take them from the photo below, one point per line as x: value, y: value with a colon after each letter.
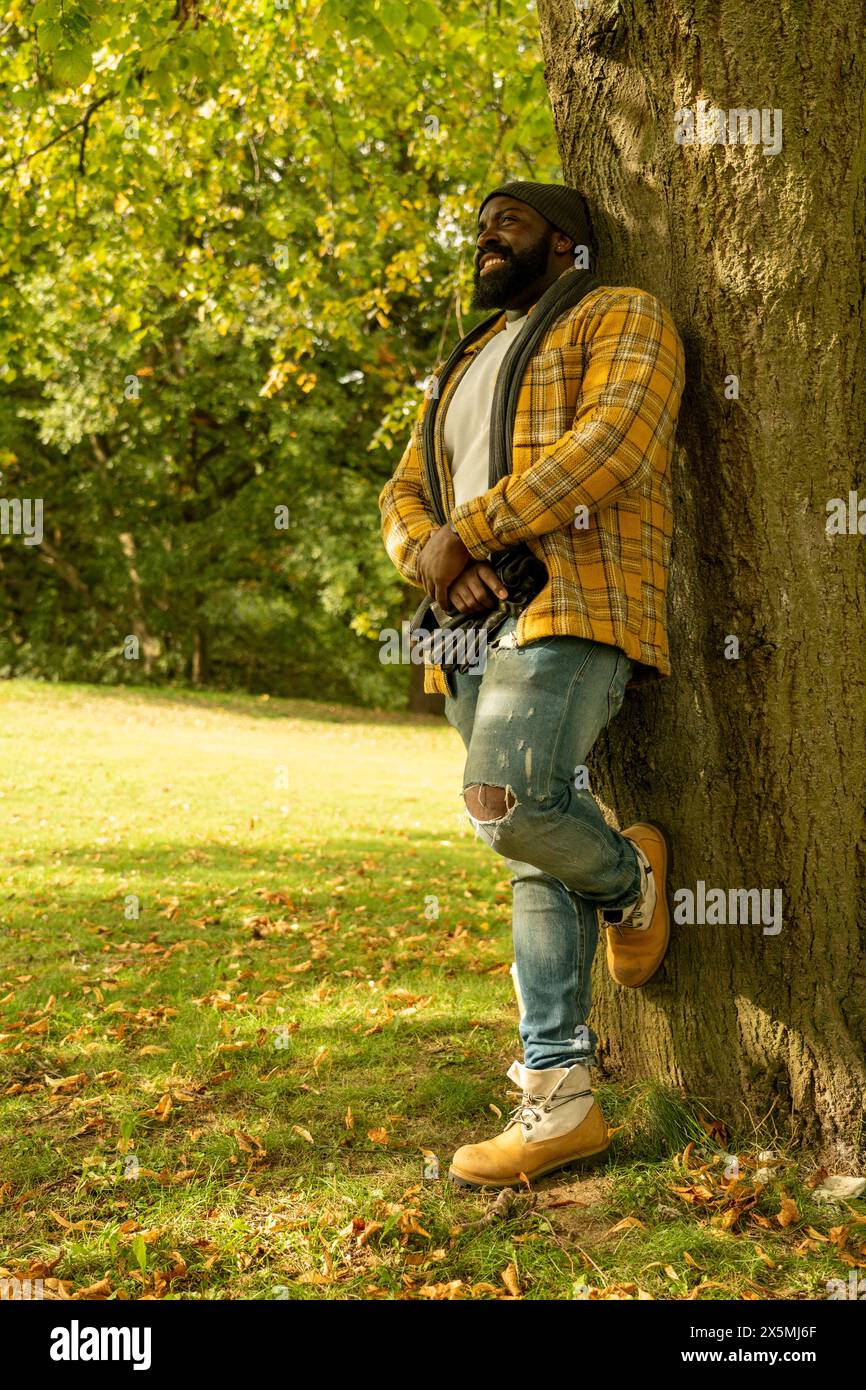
x: 665, y: 836
x: 570, y: 1164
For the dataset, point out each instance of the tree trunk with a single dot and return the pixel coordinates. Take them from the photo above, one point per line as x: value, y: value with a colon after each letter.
x: 200, y: 665
x: 148, y: 645
x: 755, y: 762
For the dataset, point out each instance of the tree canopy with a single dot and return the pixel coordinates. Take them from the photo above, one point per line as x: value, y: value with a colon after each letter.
x: 235, y: 240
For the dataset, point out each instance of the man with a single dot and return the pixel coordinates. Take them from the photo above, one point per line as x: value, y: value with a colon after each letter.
x: 584, y: 409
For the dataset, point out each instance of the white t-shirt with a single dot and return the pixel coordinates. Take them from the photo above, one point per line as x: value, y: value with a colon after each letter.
x: 466, y: 432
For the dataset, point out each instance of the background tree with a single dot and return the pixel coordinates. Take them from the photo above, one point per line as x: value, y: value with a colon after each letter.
x: 234, y: 242
x: 756, y: 763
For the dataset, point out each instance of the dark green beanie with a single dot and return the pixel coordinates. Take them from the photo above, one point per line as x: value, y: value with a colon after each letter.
x: 564, y: 207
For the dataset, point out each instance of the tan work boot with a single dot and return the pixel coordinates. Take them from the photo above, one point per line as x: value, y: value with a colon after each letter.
x: 556, y: 1125
x: 638, y: 936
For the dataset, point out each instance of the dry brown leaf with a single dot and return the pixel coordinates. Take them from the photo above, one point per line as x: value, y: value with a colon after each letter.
x: 816, y: 1178
x: 511, y: 1281
x: 304, y: 1133
x: 369, y: 1230
x: 788, y: 1214
x: 248, y: 1142
x: 67, y: 1083
x: 715, y: 1129
x: 161, y: 1110
x: 94, y: 1291
x: 74, y: 1225
x: 707, y: 1284
x: 628, y: 1223
x: 58, y: 1289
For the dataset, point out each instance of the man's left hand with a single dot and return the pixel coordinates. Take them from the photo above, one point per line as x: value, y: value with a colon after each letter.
x: 444, y: 557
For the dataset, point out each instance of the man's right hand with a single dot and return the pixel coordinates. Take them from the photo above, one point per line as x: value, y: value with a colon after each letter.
x: 476, y: 589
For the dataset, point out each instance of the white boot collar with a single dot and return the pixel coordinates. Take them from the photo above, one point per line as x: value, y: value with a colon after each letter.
x: 550, y: 1098
x: 547, y: 1082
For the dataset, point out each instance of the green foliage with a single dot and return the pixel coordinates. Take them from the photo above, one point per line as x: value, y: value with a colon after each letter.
x: 233, y: 244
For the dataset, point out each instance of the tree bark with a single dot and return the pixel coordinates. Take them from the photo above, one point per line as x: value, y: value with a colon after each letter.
x: 148, y: 645
x: 756, y: 763
x: 200, y: 664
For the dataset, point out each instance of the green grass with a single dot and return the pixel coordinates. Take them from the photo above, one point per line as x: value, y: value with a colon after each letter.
x: 272, y: 914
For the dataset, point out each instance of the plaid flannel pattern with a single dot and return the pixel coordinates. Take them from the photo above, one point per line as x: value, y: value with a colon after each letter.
x: 590, y: 487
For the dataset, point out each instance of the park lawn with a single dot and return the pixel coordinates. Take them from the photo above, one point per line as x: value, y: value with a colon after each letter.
x: 254, y: 985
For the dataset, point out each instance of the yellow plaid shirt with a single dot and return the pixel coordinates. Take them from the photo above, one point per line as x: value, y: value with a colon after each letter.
x: 590, y: 487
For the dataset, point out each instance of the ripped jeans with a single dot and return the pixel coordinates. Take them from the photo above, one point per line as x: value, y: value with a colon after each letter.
x: 528, y: 723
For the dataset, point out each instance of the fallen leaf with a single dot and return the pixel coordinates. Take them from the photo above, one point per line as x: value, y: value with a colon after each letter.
x: 67, y: 1083
x: 511, y: 1281
x: 788, y: 1213
x: 94, y: 1291
x: 73, y: 1225
x: 370, y: 1229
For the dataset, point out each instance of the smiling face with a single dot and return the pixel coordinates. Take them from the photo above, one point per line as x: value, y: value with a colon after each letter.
x: 518, y: 254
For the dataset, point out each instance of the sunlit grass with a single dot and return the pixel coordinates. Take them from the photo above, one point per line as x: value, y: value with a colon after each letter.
x: 254, y: 970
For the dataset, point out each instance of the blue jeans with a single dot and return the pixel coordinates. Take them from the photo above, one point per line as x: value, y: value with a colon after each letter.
x: 528, y: 723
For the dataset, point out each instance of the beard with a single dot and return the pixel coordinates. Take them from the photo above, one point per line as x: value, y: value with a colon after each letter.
x: 500, y: 285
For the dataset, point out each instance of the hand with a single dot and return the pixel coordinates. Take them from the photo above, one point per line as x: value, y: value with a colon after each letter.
x: 477, y: 590
x: 444, y: 557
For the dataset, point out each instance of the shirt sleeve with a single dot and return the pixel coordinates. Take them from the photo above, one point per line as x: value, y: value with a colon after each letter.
x: 624, y: 425
x: 407, y: 519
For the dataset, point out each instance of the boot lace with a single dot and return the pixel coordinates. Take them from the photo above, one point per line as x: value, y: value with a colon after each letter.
x: 528, y: 1111
x: 637, y: 917
x: 530, y: 1108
